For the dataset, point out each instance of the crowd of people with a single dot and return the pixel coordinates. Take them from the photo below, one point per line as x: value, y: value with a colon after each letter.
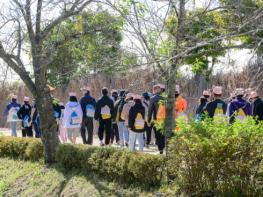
x: 128, y: 117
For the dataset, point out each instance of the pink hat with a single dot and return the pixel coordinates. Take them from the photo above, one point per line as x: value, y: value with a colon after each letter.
x: 253, y: 94
x: 87, y: 88
x: 27, y: 99
x: 240, y: 91
x: 72, y: 94
x: 157, y: 85
x: 206, y: 93
x: 129, y: 95
x: 14, y: 96
x: 61, y: 104
x: 162, y: 86
x: 137, y: 96
x: 217, y: 90
x: 177, y: 88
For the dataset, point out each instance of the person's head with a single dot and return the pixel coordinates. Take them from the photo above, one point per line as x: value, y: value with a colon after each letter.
x: 156, y: 89
x: 162, y: 86
x: 26, y: 100
x: 86, y: 89
x: 129, y: 96
x: 217, y: 91
x: 137, y: 98
x: 239, y: 92
x: 177, y: 91
x: 253, y: 96
x: 146, y: 96
x: 202, y: 100
x: 122, y: 93
x: 114, y: 94
x: 104, y: 91
x: 73, y: 97
x: 14, y: 98
x: 206, y: 94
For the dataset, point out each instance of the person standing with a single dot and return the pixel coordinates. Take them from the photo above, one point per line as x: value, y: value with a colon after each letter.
x: 24, y: 114
x: 104, y: 114
x: 88, y: 105
x: 239, y: 108
x: 152, y: 116
x: 257, y: 106
x: 72, y: 117
x: 148, y: 127
x: 136, y: 124
x: 35, y: 120
x: 10, y: 113
x: 62, y: 130
x: 122, y: 129
x: 114, y: 129
x: 217, y: 107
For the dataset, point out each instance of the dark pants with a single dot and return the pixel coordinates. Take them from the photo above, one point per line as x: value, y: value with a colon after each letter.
x: 160, y: 139
x: 27, y: 132
x: 114, y: 133
x: 87, y: 123
x: 148, y: 134
x: 105, y: 125
x: 37, y: 130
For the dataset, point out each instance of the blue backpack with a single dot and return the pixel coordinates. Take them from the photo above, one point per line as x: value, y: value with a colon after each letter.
x: 26, y: 121
x: 74, y: 118
x: 90, y: 110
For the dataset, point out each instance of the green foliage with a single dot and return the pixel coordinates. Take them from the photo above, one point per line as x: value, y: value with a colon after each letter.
x: 22, y: 148
x: 116, y: 164
x: 216, y: 158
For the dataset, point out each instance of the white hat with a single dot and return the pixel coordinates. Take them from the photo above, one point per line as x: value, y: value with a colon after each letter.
x: 112, y: 91
x: 61, y: 104
x: 217, y: 90
x: 137, y: 96
x: 253, y: 94
x: 72, y: 94
x: 177, y: 88
x: 129, y: 95
x: 156, y: 85
x: 240, y: 91
x: 14, y: 96
x: 206, y: 93
x: 27, y: 99
x: 162, y: 86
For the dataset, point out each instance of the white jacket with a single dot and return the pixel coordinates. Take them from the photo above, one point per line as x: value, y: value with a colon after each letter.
x: 67, y: 117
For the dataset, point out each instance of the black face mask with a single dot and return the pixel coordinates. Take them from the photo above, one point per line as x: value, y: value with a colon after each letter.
x: 26, y: 102
x: 176, y: 95
x: 13, y: 100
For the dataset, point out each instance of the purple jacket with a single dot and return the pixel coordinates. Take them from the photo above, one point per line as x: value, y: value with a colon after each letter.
x: 239, y: 104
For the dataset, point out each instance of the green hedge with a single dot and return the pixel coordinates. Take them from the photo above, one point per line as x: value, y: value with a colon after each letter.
x: 216, y: 158
x: 113, y: 163
x: 22, y: 148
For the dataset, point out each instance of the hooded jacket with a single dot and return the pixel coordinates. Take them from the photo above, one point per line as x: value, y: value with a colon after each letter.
x: 134, y: 110
x: 67, y: 115
x: 257, y: 109
x: 103, y: 101
x: 238, y: 104
x: 11, y: 111
x: 84, y: 101
x: 126, y: 109
x: 153, y: 107
x: 25, y: 113
x: 213, y: 105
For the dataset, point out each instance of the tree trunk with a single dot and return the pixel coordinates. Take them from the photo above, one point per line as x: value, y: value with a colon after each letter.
x: 48, y: 126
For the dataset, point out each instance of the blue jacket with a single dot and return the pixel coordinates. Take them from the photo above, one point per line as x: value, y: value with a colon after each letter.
x: 84, y: 101
x: 9, y: 106
x: 239, y: 104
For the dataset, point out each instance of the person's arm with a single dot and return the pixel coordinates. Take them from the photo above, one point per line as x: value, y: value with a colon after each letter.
x: 5, y: 112
x: 112, y: 108
x: 131, y: 119
x: 97, y: 111
x: 150, y: 110
x: 19, y: 113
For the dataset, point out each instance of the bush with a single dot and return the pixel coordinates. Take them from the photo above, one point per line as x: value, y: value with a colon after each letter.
x: 22, y: 148
x: 116, y: 164
x: 216, y: 158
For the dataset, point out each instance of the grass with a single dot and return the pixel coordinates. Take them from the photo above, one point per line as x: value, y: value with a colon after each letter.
x: 23, y: 178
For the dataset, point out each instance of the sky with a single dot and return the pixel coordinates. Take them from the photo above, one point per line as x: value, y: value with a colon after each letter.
x: 239, y: 57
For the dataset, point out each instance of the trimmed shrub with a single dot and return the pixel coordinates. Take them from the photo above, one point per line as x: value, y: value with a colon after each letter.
x: 116, y: 164
x: 22, y: 148
x: 213, y: 157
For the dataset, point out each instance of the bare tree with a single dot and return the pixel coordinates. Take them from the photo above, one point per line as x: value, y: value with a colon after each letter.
x: 25, y: 29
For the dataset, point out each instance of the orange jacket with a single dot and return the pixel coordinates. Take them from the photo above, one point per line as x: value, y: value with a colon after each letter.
x: 180, y: 106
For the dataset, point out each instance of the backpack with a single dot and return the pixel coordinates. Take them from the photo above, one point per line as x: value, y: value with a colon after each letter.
x: 13, y: 112
x: 219, y: 111
x: 240, y: 113
x: 56, y: 114
x: 105, y: 112
x: 161, y: 113
x: 139, y: 122
x: 26, y: 121
x: 74, y: 117
x: 90, y: 111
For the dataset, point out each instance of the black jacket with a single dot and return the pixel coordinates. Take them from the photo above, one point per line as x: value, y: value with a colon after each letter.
x: 153, y: 107
x: 84, y: 101
x: 103, y: 101
x: 212, y: 106
x: 137, y: 108
x: 24, y: 111
x: 257, y: 109
x: 118, y: 107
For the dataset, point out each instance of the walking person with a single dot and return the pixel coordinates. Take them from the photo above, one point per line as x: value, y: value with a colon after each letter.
x: 114, y: 129
x: 88, y: 105
x: 136, y: 123
x: 122, y: 129
x: 24, y: 114
x: 72, y: 117
x: 148, y: 127
x: 199, y: 114
x: 152, y: 117
x: 257, y: 106
x: 104, y: 114
x: 10, y: 113
x: 62, y: 129
x: 239, y: 108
